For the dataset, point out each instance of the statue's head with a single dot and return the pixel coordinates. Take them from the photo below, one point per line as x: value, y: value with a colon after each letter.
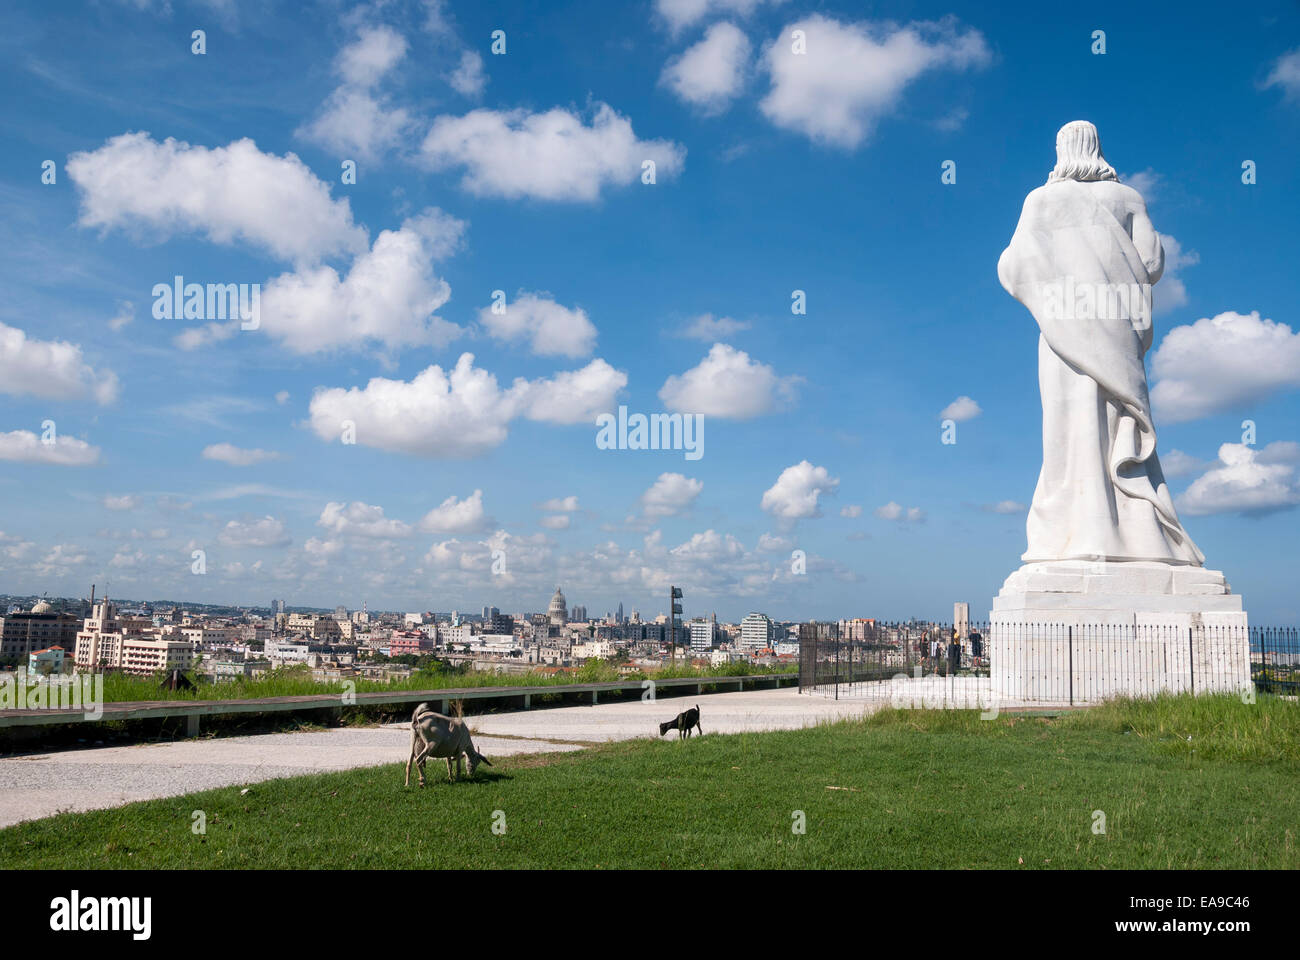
x: 1078, y: 154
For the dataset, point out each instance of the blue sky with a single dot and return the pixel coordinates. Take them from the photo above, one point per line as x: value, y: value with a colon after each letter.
x: 522, y: 172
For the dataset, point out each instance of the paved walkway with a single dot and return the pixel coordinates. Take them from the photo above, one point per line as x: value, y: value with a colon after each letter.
x: 42, y: 785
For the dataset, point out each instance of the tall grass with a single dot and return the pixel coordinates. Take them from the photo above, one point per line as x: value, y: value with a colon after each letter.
x: 297, y: 681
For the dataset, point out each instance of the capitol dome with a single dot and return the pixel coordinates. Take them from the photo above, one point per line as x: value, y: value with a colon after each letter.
x: 41, y: 606
x: 558, y: 611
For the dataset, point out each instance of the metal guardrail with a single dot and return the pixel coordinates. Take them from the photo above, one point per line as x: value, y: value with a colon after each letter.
x: 193, y: 710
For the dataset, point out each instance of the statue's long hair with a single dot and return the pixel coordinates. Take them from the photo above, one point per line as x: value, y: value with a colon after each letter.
x: 1078, y: 154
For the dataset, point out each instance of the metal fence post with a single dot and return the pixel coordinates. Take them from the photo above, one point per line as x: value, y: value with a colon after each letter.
x: 1191, y: 660
x: 1069, y: 641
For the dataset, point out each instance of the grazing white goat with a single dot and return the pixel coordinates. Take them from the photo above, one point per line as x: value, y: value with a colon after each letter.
x: 433, y: 735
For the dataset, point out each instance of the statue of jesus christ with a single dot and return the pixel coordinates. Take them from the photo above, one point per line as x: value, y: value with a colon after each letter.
x: 1083, y: 259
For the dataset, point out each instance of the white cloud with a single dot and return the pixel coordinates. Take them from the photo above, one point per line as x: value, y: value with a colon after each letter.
x: 894, y: 511
x: 1146, y: 182
x: 574, y: 396
x: 560, y: 504
x: 1246, y: 481
x: 197, y: 337
x: 1002, y: 506
x: 50, y: 369
x: 961, y: 410
x: 388, y: 296
x: 1175, y: 463
x: 125, y: 314
x: 23, y: 446
x: 795, y: 494
x: 853, y: 74
x: 770, y: 543
x: 1222, y: 363
x: 354, y: 121
x: 228, y: 194
x: 670, y: 495
x: 558, y: 521
x: 549, y: 328
x: 237, y: 456
x: 454, y: 515
x: 362, y: 520
x: 852, y: 512
x: 371, y: 56
x: 357, y: 124
x: 727, y: 383
x: 282, y: 397
x: 266, y: 532
x: 710, y: 329
x: 1286, y: 74
x: 710, y: 74
x: 124, y: 502
x: 468, y: 78
x: 1171, y: 293
x: 546, y: 156
x: 680, y: 14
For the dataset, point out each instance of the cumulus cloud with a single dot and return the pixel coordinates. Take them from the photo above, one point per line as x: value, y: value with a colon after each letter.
x: 50, y: 369
x: 23, y: 446
x: 961, y: 410
x: 573, y: 396
x: 549, y: 328
x: 545, y: 156
x: 853, y: 74
x: 388, y: 297
x: 711, y: 329
x: 468, y: 78
x: 670, y: 495
x: 727, y: 383
x: 795, y: 494
x: 679, y: 14
x: 557, y: 521
x: 1002, y: 506
x: 355, y: 121
x: 1171, y: 293
x: 851, y: 512
x: 1285, y: 73
x: 238, y: 456
x: 1176, y: 463
x: 560, y: 504
x: 1247, y: 481
x: 454, y: 515
x: 1146, y: 182
x: 169, y: 188
x: 1222, y: 363
x: 710, y: 74
x: 124, y: 502
x: 197, y: 337
x: 266, y: 532
x: 361, y: 520
x: 895, y: 511
x: 282, y: 397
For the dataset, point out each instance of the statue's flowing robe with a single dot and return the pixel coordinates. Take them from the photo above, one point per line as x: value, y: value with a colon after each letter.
x: 1101, y: 494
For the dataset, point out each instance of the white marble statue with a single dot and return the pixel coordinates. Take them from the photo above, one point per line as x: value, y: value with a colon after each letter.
x: 1083, y: 259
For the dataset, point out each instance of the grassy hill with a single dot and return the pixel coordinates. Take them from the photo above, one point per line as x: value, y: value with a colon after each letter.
x: 1182, y: 783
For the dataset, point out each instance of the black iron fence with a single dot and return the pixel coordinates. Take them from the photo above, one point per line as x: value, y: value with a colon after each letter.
x: 978, y: 664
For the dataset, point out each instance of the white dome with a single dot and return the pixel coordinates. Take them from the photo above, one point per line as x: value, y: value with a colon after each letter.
x: 41, y: 607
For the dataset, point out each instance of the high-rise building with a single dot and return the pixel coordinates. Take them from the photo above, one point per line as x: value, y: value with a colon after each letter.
x: 704, y: 634
x: 961, y: 618
x: 578, y: 613
x: 756, y: 632
x: 22, y: 634
x: 618, y: 617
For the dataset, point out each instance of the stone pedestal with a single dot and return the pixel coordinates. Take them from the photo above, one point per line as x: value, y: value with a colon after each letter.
x: 1079, y: 631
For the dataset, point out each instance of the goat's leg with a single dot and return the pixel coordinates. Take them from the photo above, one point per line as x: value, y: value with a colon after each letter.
x: 410, y: 759
x: 451, y: 775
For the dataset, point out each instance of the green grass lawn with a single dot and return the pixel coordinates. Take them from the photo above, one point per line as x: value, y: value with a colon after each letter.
x: 1183, y: 783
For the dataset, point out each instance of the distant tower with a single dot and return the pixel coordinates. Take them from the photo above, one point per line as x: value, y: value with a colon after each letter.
x: 619, y: 616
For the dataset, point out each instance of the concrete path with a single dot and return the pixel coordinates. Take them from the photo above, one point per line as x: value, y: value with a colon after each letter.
x: 42, y: 785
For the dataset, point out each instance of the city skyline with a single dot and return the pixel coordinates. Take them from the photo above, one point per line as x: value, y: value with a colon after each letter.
x: 163, y: 451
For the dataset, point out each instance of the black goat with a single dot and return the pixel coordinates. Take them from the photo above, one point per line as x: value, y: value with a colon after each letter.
x: 683, y: 724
